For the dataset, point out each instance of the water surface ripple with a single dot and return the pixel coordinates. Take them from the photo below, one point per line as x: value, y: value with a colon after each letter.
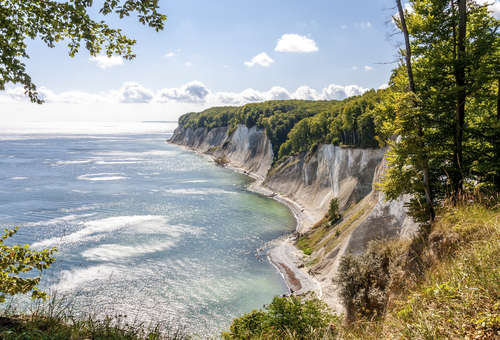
x: 143, y: 228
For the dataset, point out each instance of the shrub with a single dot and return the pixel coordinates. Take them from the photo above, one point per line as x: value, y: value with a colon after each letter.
x: 301, y: 316
x: 363, y: 280
x: 18, y: 260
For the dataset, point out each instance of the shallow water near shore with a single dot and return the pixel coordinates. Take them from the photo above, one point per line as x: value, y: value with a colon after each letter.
x: 143, y: 228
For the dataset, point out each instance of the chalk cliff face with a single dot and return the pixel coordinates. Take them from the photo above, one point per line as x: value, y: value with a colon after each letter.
x: 311, y: 181
x: 248, y: 149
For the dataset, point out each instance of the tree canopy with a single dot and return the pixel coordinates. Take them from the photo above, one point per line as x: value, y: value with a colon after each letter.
x: 54, y: 21
x: 449, y: 119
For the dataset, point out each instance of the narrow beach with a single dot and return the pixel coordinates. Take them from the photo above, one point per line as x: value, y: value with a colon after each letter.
x: 285, y: 257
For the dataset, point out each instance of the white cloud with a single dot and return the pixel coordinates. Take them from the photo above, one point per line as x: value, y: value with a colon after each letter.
x: 354, y: 68
x: 188, y: 63
x: 69, y: 97
x: 169, y: 55
x: 363, y: 24
x: 340, y: 92
x: 494, y: 6
x: 344, y: 27
x: 277, y: 93
x: 295, y: 43
x: 193, y: 92
x: 17, y: 94
x: 132, y: 92
x: 306, y: 93
x: 407, y: 7
x: 368, y: 68
x: 262, y: 59
x: 383, y: 86
x: 104, y: 61
x: 250, y: 95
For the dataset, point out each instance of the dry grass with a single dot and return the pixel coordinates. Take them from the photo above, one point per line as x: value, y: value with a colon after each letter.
x: 457, y: 293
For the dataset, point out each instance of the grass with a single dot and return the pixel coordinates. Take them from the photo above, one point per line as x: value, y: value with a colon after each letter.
x: 56, y: 319
x: 283, y: 165
x: 458, y: 295
x: 221, y: 161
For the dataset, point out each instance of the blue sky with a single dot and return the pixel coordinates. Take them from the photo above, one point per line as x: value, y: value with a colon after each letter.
x: 214, y: 53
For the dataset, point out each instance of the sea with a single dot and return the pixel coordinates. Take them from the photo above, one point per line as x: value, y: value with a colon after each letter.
x: 144, y: 229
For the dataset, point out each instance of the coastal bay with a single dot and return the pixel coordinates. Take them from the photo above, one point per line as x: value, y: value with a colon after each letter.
x: 135, y: 217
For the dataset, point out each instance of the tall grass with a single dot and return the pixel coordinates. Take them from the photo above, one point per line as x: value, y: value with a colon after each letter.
x: 57, y: 319
x: 458, y: 295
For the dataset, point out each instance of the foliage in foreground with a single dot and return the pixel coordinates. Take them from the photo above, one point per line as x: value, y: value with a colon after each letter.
x: 15, y: 260
x: 54, y: 21
x: 447, y: 286
x: 293, y: 317
x: 55, y: 319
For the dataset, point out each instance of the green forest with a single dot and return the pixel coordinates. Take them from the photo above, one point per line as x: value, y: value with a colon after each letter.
x: 293, y: 126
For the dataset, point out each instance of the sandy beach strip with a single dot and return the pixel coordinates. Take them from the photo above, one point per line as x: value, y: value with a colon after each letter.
x: 286, y: 257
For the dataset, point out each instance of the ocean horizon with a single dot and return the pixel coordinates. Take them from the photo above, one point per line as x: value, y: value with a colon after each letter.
x: 144, y: 228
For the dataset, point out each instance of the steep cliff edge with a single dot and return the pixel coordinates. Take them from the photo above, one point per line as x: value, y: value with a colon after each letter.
x: 248, y: 149
x: 311, y: 181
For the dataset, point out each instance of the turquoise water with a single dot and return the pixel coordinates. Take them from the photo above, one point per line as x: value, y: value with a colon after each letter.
x: 143, y: 228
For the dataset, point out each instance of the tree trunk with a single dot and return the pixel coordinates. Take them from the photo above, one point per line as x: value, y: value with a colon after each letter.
x: 425, y: 164
x: 457, y: 177
x: 497, y: 147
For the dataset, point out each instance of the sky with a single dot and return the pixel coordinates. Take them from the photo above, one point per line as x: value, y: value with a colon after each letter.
x: 215, y: 53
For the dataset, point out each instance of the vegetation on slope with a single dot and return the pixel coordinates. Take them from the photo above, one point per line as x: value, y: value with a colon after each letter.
x: 51, y: 322
x: 331, y: 231
x: 444, y: 285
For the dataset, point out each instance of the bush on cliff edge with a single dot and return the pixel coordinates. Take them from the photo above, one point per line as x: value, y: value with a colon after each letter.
x: 294, y: 317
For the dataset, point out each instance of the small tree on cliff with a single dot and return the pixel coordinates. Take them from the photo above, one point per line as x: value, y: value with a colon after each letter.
x: 333, y: 212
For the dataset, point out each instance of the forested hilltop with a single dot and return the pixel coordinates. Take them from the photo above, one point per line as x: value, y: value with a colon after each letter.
x: 298, y: 125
